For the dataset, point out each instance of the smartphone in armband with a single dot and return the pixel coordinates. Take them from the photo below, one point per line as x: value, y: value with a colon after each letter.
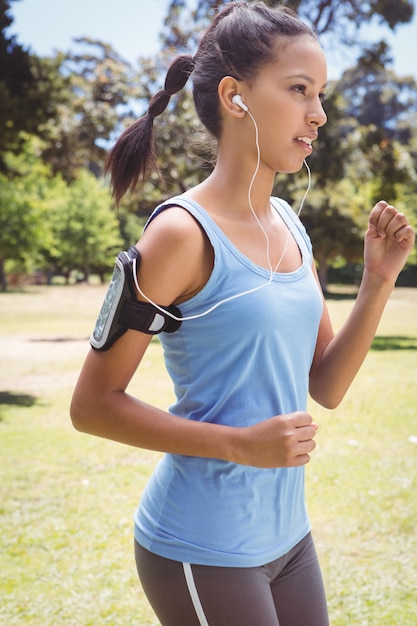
x: 122, y: 310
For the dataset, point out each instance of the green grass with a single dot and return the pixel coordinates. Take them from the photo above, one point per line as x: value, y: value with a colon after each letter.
x: 362, y: 482
x: 67, y: 499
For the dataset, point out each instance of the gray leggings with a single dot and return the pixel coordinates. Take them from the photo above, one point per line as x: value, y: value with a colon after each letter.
x: 285, y: 592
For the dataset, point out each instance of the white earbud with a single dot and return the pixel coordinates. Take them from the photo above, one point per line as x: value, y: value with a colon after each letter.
x: 238, y: 100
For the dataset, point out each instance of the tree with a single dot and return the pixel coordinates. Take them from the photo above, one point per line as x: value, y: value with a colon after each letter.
x: 86, y: 229
x: 30, y: 89
x: 101, y: 88
x: 48, y: 225
x: 90, y: 93
x: 382, y: 109
x: 375, y: 95
x: 24, y: 224
x: 335, y: 219
x: 74, y: 102
x: 343, y: 18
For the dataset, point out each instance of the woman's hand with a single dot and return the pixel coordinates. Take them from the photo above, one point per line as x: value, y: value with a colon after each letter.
x: 388, y: 242
x: 280, y: 441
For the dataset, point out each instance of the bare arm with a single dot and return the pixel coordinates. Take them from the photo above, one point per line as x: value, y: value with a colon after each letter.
x: 388, y: 242
x: 101, y: 406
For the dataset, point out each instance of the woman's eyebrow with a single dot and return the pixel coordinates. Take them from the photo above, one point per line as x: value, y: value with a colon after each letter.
x: 305, y: 77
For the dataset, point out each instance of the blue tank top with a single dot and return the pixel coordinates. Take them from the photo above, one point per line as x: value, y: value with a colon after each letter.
x: 245, y: 361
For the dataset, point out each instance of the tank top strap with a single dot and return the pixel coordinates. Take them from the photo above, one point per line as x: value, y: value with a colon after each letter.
x: 213, y: 232
x: 292, y: 220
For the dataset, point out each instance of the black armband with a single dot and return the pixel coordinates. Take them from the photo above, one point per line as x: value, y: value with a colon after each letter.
x: 122, y: 310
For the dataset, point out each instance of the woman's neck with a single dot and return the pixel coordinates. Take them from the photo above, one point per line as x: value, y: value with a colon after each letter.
x: 226, y: 190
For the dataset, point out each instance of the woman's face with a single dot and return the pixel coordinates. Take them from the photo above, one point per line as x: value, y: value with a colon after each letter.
x: 285, y: 99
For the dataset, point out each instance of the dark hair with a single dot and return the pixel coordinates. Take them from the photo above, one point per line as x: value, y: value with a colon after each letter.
x: 240, y: 40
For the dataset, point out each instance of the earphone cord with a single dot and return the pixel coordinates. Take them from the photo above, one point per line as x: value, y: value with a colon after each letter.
x: 298, y: 214
x: 272, y: 270
x: 258, y: 161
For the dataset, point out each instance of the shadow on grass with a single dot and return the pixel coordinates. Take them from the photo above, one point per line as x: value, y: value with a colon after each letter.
x: 340, y: 295
x: 11, y: 398
x: 57, y: 339
x: 17, y: 399
x: 72, y: 339
x: 394, y: 342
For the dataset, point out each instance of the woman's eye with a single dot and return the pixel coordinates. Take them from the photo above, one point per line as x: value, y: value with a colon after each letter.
x: 322, y: 97
x: 300, y: 89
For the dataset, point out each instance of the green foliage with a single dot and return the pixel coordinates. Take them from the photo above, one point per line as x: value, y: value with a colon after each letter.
x: 30, y: 90
x: 335, y: 222
x: 340, y: 17
x: 50, y: 225
x: 77, y: 103
x: 24, y: 225
x: 101, y: 87
x: 87, y: 229
x: 376, y: 96
x: 332, y: 152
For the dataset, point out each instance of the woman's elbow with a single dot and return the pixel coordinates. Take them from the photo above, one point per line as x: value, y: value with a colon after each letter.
x: 328, y: 403
x: 327, y: 398
x: 79, y: 412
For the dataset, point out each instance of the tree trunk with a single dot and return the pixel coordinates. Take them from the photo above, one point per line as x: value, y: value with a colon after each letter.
x: 3, y: 279
x: 323, y: 271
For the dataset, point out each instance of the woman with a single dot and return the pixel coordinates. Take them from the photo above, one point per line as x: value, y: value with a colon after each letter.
x: 222, y: 535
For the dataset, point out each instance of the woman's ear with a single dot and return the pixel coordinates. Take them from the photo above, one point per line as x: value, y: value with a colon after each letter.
x: 227, y: 89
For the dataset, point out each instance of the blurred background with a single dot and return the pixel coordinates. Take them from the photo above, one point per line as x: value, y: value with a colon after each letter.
x: 73, y: 75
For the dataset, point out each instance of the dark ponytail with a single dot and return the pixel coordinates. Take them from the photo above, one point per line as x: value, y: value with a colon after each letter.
x: 134, y: 152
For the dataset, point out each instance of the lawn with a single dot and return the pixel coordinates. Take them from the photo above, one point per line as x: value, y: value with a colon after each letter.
x: 67, y: 499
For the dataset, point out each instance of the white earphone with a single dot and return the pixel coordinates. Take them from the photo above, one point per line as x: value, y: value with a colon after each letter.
x: 238, y: 100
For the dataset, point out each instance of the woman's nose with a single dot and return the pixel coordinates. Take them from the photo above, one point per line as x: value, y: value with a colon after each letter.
x: 317, y: 117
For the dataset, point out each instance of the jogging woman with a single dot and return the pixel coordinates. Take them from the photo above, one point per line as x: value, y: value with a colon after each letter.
x: 222, y: 536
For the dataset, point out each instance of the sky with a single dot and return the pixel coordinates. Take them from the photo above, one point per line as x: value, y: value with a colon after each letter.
x: 132, y: 28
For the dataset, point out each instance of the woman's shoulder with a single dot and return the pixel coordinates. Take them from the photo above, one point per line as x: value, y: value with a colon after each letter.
x: 173, y: 227
x: 175, y: 252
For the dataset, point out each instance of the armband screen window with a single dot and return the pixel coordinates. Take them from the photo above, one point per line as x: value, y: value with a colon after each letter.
x: 121, y: 309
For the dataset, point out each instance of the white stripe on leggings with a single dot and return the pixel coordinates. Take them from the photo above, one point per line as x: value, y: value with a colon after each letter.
x: 194, y: 594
